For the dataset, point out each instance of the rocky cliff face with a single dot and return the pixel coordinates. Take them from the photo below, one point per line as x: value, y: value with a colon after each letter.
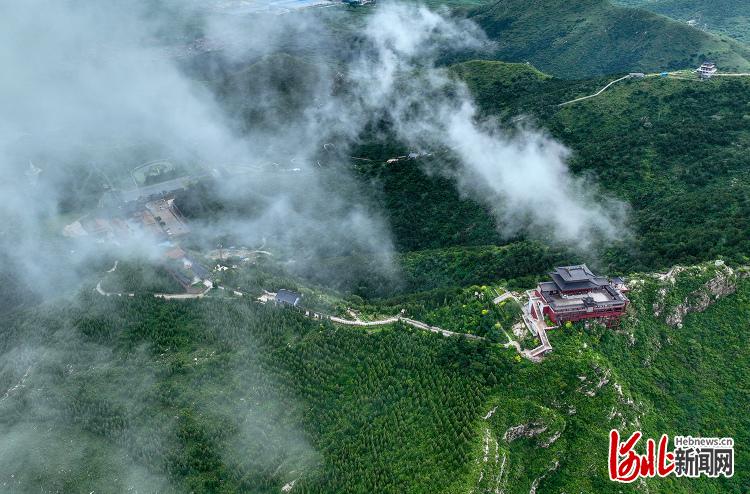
x: 720, y: 281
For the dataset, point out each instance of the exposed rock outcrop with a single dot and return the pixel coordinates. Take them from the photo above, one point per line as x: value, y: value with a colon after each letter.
x: 524, y: 430
x: 590, y: 387
x: 723, y: 282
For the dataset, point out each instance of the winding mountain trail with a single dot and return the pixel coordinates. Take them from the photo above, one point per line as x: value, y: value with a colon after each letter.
x: 390, y: 320
x: 338, y: 320
x: 166, y: 296
x: 511, y: 343
x: 671, y: 75
x: 598, y: 92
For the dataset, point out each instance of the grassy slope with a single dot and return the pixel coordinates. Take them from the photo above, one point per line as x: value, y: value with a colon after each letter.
x: 730, y: 17
x: 593, y: 37
x: 223, y: 396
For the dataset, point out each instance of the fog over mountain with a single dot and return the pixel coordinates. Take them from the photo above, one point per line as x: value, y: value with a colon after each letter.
x: 92, y: 89
x: 95, y: 90
x: 510, y: 170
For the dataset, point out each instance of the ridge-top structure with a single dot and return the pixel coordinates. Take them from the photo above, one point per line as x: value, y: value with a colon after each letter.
x: 706, y: 70
x: 574, y: 294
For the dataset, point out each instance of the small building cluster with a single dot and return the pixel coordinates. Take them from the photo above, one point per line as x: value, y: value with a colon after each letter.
x: 148, y: 211
x: 575, y: 294
x: 187, y: 270
x: 159, y: 218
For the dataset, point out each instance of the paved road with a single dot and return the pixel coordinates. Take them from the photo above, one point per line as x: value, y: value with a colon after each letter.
x: 166, y: 296
x: 672, y: 75
x: 435, y: 329
x: 182, y: 296
x: 167, y: 186
x: 504, y: 296
x: 349, y: 322
x: 596, y: 93
x: 110, y: 294
x: 405, y: 320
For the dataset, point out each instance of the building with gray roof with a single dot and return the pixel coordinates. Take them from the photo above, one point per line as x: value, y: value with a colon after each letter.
x: 576, y: 293
x: 288, y: 297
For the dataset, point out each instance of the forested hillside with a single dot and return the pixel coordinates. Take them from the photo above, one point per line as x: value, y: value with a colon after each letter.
x: 730, y: 17
x: 593, y: 37
x: 674, y: 149
x: 314, y: 281
x: 233, y: 396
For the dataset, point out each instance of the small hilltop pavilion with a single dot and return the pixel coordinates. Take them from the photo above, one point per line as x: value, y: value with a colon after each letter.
x: 706, y: 70
x: 575, y: 294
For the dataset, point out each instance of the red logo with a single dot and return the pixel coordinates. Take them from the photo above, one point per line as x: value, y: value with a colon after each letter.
x: 625, y: 465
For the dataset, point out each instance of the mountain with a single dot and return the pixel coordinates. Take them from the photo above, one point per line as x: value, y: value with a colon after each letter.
x: 730, y: 17
x: 593, y: 37
x: 316, y: 280
x: 222, y: 394
x: 673, y: 148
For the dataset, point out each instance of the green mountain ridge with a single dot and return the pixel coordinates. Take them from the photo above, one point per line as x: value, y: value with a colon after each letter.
x: 581, y: 39
x: 730, y: 17
x: 673, y: 149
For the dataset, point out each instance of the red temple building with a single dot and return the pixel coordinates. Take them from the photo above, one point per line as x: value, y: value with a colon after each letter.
x: 574, y: 294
